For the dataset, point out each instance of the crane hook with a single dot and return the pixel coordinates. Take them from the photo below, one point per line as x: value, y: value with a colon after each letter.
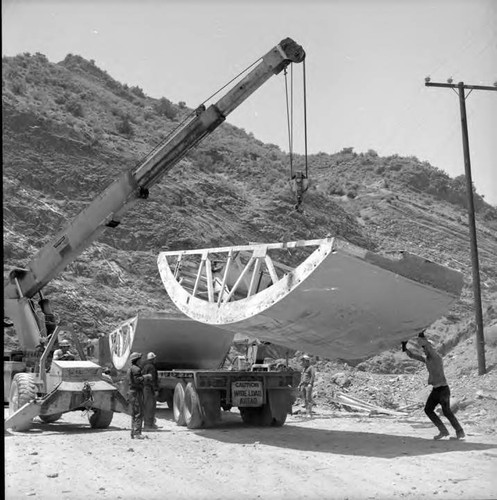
x: 300, y: 184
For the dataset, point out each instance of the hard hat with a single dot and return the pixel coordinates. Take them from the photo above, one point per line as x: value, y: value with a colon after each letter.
x: 151, y: 355
x: 306, y: 357
x: 64, y: 343
x: 135, y: 355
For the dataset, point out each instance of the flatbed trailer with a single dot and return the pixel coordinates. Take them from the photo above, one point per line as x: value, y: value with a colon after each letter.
x: 264, y: 398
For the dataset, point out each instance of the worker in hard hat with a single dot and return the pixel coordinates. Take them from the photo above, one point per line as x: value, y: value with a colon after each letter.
x: 64, y: 353
x: 306, y: 385
x: 150, y: 392
x: 135, y: 394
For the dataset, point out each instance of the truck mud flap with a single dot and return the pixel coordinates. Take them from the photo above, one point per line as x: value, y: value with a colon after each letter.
x: 280, y: 402
x: 21, y: 419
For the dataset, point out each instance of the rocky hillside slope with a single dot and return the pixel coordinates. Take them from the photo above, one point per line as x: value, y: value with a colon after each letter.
x: 70, y: 128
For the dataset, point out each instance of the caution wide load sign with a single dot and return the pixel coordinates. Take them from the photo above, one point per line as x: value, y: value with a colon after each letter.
x: 247, y: 393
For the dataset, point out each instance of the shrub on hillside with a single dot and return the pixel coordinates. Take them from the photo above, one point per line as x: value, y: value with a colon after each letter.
x: 352, y: 193
x: 489, y: 214
x: 75, y: 108
x: 335, y: 187
x: 164, y: 107
x: 124, y: 127
x: 18, y: 87
x: 137, y: 91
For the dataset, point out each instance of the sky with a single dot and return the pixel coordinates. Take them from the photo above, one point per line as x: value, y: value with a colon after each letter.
x: 366, y: 63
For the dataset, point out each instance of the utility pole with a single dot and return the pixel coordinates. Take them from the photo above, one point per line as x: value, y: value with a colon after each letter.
x: 461, y: 87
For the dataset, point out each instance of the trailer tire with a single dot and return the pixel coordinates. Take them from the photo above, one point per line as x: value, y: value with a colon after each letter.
x: 100, y: 419
x: 179, y: 404
x: 166, y: 396
x: 49, y: 419
x: 248, y: 415
x: 192, y: 409
x: 260, y: 416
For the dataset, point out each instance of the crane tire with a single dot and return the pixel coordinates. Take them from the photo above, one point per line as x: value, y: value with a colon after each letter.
x: 179, y: 403
x: 100, y: 419
x: 192, y: 409
x: 48, y: 419
x: 22, y: 391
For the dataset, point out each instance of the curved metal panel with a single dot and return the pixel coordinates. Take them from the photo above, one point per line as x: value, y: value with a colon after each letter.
x: 177, y: 341
x: 341, y: 302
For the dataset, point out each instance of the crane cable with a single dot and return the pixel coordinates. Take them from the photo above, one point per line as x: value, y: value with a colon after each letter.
x: 299, y: 180
x: 289, y: 116
x: 305, y: 118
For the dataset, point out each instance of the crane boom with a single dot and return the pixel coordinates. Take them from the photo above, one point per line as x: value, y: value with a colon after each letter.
x: 107, y: 209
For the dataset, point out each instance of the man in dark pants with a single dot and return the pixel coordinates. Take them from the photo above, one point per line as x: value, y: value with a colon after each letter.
x: 135, y: 395
x: 441, y: 392
x: 150, y: 391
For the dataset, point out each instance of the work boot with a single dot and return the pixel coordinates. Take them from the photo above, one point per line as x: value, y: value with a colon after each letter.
x: 460, y: 434
x: 139, y: 436
x: 443, y: 433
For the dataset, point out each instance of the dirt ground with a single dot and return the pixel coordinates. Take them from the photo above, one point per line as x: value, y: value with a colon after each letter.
x: 331, y: 456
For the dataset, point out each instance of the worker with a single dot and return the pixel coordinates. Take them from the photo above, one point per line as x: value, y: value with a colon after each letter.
x: 135, y: 395
x: 440, y: 393
x: 41, y: 346
x: 307, y: 383
x: 63, y: 353
x: 150, y: 392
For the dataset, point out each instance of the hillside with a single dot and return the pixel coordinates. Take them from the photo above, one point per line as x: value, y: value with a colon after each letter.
x: 70, y: 128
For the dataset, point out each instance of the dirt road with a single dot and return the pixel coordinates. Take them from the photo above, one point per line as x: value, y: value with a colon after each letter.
x: 332, y: 456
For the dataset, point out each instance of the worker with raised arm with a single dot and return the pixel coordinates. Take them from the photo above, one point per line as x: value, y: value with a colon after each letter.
x: 440, y: 394
x: 150, y: 392
x: 135, y: 395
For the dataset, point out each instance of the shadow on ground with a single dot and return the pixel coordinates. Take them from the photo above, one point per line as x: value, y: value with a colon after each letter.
x: 60, y: 428
x: 340, y: 442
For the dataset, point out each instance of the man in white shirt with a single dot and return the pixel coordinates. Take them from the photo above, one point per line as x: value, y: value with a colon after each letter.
x: 441, y: 392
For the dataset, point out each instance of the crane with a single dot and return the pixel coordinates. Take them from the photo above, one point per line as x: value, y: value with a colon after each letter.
x: 24, y: 286
x: 108, y: 208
